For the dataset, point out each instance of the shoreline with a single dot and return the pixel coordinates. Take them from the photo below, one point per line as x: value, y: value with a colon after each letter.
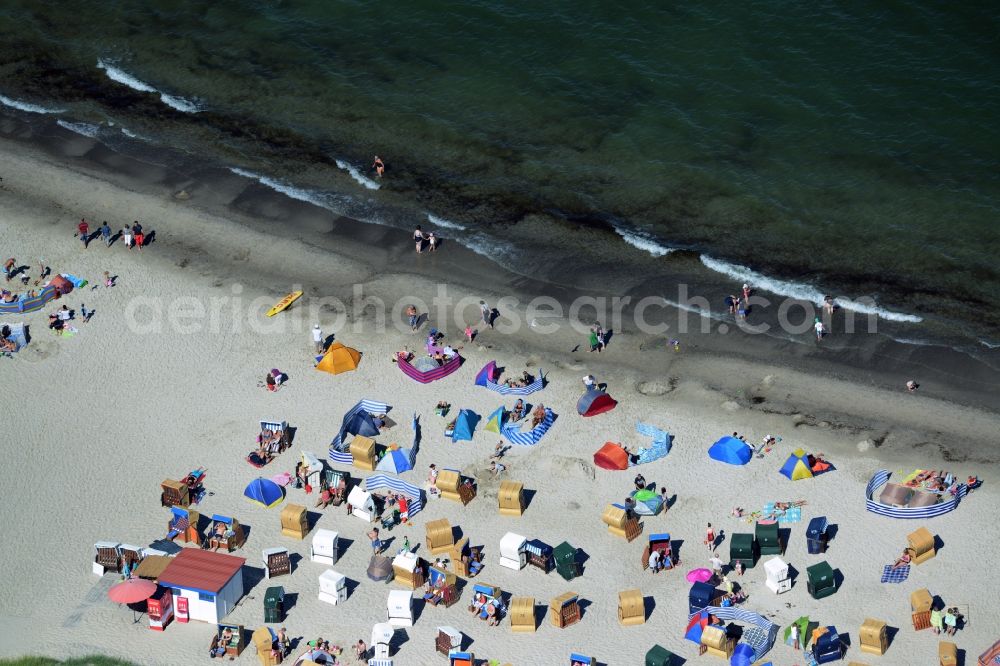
x: 874, y: 359
x: 151, y: 404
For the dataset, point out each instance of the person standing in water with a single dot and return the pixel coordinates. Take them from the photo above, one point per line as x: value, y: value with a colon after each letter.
x: 418, y: 239
x: 379, y: 166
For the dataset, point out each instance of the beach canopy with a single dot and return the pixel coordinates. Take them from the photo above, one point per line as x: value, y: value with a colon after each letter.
x: 595, y: 402
x: 743, y: 655
x: 338, y: 359
x: 265, y: 492
x: 699, y: 576
x: 797, y: 466
x: 494, y: 422
x: 647, y: 502
x: 380, y: 568
x: 487, y: 374
x: 696, y: 626
x: 465, y: 424
x: 658, y: 448
x: 611, y: 456
x: 395, y: 461
x: 731, y: 450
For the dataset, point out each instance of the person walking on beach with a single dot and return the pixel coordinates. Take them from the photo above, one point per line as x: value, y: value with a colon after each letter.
x: 106, y: 233
x: 8, y: 268
x: 487, y: 313
x: 127, y: 236
x: 594, y: 342
x: 432, y: 241
x: 140, y: 238
x: 600, y: 336
x: 710, y: 537
x: 318, y: 339
x: 820, y: 329
x: 468, y: 333
x: 411, y: 315
x: 418, y: 239
x: 83, y: 230
x: 379, y: 166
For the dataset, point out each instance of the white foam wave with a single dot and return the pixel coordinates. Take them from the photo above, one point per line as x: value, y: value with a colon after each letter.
x: 446, y: 224
x: 358, y: 176
x: 308, y: 196
x: 123, y: 77
x: 26, y: 106
x: 84, y: 129
x: 640, y: 240
x: 687, y: 307
x: 989, y: 345
x: 800, y: 291
x: 128, y: 133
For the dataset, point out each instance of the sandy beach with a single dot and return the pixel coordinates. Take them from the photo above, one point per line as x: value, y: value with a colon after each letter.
x: 164, y: 379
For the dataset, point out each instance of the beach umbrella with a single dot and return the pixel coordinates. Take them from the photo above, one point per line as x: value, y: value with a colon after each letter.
x: 395, y: 461
x: 265, y: 492
x: 282, y: 479
x: 132, y: 591
x: 425, y: 364
x: 699, y: 576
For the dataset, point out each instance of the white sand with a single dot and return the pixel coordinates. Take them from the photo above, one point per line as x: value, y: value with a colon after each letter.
x: 93, y: 423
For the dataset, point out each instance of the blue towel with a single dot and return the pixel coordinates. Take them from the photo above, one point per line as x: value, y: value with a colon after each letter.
x: 898, y: 575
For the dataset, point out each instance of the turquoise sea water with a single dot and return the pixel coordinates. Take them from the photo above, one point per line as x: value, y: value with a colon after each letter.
x: 850, y: 147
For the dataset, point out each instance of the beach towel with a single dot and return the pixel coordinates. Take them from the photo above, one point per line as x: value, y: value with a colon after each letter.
x: 790, y: 515
x: 898, y: 575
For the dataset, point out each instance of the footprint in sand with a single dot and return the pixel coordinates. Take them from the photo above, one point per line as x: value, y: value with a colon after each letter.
x: 656, y: 388
x: 564, y: 466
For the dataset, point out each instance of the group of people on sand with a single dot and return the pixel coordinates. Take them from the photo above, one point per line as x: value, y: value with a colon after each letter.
x: 132, y: 235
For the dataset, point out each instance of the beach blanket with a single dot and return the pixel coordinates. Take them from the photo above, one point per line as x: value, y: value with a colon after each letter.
x: 790, y: 515
x: 898, y: 575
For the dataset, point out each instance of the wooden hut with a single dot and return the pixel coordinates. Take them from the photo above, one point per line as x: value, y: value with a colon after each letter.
x: 363, y: 453
x: 454, y: 487
x: 226, y: 533
x: 440, y: 537
x: 408, y: 570
x: 522, y: 614
x: 174, y: 493
x: 183, y: 525
x: 873, y: 637
x: 511, y: 498
x: 620, y: 523
x: 564, y: 610
x: 442, y: 587
x: 920, y: 608
x: 262, y: 641
x: 715, y: 642
x: 294, y: 521
x: 631, y: 608
x: 921, y: 545
x: 276, y: 562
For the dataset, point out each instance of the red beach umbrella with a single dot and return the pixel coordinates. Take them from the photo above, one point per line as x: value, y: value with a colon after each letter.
x: 132, y: 591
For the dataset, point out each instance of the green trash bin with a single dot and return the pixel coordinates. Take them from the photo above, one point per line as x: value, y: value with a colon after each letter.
x: 566, y: 564
x: 274, y: 604
x: 743, y: 549
x: 659, y: 656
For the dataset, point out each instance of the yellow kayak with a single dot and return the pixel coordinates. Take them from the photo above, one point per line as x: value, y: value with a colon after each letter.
x: 284, y: 303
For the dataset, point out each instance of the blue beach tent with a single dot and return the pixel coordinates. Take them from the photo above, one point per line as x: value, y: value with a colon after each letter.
x: 731, y: 450
x: 465, y: 424
x: 265, y: 492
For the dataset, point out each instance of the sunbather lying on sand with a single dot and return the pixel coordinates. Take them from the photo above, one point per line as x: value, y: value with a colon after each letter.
x: 903, y: 560
x: 785, y: 506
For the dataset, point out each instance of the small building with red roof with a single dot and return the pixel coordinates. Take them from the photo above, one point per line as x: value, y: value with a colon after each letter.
x: 205, y: 583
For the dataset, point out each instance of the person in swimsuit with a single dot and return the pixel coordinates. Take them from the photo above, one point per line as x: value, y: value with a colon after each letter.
x: 379, y: 166
x: 418, y: 239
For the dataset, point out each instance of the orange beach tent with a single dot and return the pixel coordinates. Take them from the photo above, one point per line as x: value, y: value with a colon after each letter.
x: 338, y: 359
x: 611, y: 456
